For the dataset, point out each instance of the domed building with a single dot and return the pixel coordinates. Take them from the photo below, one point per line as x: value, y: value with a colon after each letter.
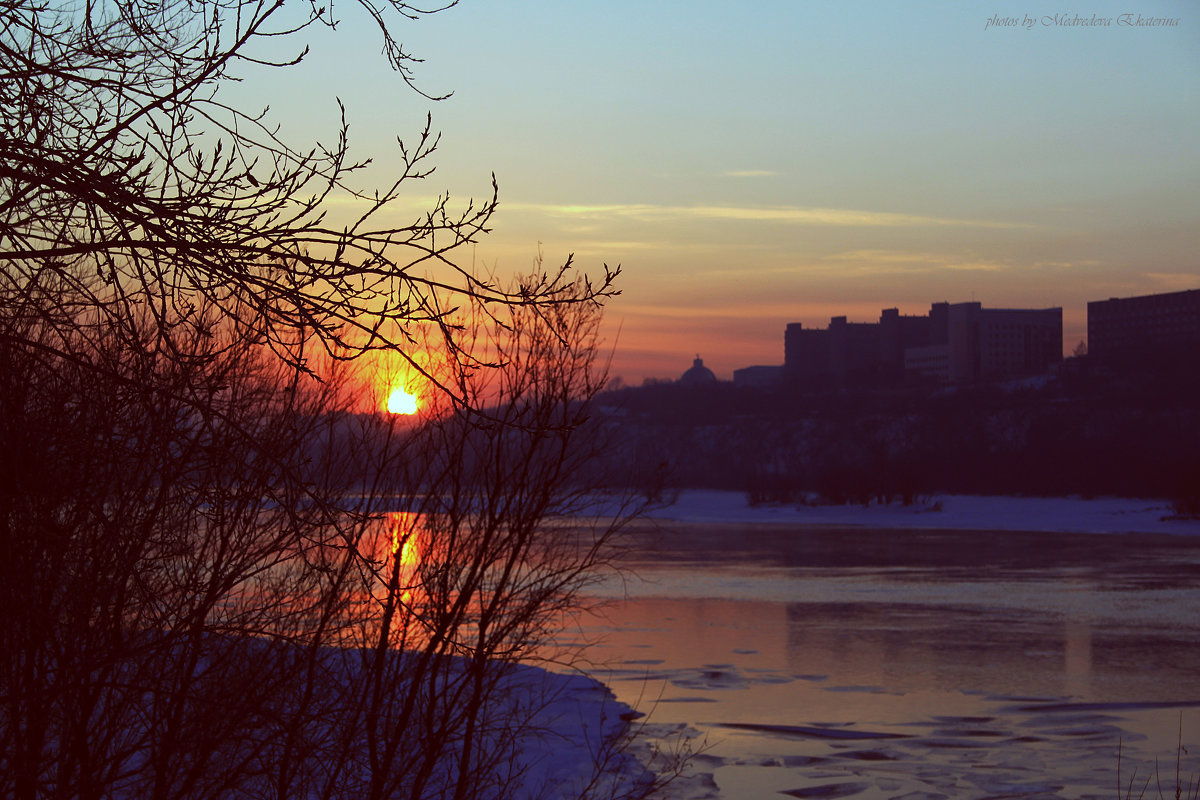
x: 698, y: 375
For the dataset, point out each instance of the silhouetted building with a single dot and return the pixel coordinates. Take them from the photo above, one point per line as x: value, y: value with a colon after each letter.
x: 698, y: 375
x: 844, y: 354
x: 1146, y: 332
x: 758, y: 377
x: 954, y: 343
x: 853, y: 352
x: 806, y: 360
x: 997, y: 343
x: 899, y: 334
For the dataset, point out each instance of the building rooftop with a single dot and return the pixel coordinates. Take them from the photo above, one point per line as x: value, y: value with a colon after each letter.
x: 698, y: 375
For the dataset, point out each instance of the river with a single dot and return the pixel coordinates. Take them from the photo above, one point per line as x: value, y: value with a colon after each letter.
x: 850, y: 662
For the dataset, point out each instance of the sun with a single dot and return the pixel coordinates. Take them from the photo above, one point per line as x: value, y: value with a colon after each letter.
x: 401, y: 402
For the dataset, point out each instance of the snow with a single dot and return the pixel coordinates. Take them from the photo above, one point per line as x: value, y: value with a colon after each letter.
x: 540, y: 735
x: 944, y: 512
x: 574, y: 745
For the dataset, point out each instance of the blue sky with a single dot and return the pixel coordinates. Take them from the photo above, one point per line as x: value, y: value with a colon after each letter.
x: 751, y: 165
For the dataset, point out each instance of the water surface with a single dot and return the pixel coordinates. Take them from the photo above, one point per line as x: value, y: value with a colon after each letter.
x: 885, y: 664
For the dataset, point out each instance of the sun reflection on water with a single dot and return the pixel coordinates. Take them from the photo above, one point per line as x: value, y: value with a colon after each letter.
x: 403, y: 528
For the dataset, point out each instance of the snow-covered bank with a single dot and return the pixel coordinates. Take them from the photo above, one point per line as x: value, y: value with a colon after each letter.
x: 945, y: 512
x: 574, y: 746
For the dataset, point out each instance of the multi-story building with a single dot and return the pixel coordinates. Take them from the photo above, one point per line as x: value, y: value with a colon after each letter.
x: 758, y: 377
x: 860, y: 353
x: 997, y: 343
x: 1147, y: 331
x: 930, y: 363
x: 954, y: 343
x: 899, y: 334
x: 806, y: 355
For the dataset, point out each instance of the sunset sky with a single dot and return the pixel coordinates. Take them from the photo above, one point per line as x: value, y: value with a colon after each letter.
x: 751, y: 165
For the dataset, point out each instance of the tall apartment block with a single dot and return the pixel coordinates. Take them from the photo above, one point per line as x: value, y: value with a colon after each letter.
x: 954, y: 343
x: 1152, y: 330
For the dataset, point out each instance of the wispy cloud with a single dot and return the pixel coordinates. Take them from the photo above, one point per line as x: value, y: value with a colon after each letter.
x: 898, y: 262
x: 1081, y: 264
x: 631, y: 245
x: 715, y: 308
x: 788, y: 215
x: 887, y: 256
x: 920, y: 261
x: 1175, y: 281
x: 975, y: 266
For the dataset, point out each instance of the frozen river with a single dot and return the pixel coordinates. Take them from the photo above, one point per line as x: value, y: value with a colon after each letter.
x: 851, y: 662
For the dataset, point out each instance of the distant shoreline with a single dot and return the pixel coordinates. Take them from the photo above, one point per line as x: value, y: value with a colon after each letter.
x: 943, y: 512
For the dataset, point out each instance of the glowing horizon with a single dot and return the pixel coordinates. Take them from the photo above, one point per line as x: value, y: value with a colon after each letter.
x: 832, y: 161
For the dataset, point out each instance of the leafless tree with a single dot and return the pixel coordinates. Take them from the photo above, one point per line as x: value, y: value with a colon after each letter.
x: 504, y: 548
x: 120, y: 159
x: 217, y: 581
x: 204, y: 586
x: 145, y: 535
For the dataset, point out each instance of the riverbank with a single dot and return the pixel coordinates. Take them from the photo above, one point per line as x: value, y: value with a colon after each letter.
x: 943, y: 512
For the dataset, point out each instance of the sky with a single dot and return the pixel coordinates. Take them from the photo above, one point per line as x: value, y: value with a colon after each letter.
x: 750, y: 165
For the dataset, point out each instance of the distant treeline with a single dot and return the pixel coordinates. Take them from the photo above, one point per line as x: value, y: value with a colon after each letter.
x: 1075, y: 435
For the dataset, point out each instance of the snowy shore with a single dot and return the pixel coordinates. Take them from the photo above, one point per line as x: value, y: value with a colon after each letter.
x: 944, y: 512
